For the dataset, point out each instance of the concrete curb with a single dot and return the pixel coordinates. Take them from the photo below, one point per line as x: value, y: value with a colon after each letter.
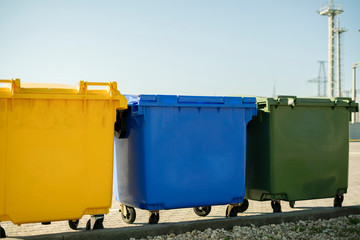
x: 183, y: 227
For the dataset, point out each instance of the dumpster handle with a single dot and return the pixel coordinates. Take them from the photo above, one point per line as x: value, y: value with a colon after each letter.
x: 14, y: 83
x: 343, y: 98
x: 5, y: 81
x: 290, y: 103
x: 261, y: 105
x: 287, y: 96
x: 83, y: 86
x: 136, y: 110
x: 97, y: 83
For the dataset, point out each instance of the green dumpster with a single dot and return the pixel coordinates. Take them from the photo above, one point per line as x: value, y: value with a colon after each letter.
x: 298, y: 149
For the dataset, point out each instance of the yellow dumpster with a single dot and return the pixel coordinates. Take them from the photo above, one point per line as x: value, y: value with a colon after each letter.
x: 56, y: 150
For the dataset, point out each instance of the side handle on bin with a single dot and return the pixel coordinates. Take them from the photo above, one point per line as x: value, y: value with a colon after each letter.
x: 261, y: 105
x: 83, y: 86
x: 290, y: 102
x: 136, y: 110
x: 120, y: 124
x: 342, y: 99
x: 287, y: 96
x: 352, y: 107
x: 14, y: 84
x: 5, y: 81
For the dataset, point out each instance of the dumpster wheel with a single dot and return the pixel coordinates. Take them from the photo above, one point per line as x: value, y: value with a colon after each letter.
x: 129, y: 216
x: 338, y: 200
x: 73, y: 224
x: 154, y: 217
x: 99, y: 224
x: 2, y: 233
x: 276, y: 206
x: 244, y: 206
x: 202, y: 211
x: 234, y: 210
x: 95, y: 222
x: 292, y: 204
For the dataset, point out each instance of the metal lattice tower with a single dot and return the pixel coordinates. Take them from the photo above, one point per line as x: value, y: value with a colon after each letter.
x: 320, y: 80
x: 331, y: 12
x: 338, y: 32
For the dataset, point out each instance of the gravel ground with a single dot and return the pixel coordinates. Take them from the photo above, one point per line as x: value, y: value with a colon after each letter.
x: 335, y: 228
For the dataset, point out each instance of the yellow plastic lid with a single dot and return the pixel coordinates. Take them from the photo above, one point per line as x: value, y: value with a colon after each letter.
x: 14, y: 89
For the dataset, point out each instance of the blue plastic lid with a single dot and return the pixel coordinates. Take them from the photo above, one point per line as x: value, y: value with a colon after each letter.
x: 193, y: 101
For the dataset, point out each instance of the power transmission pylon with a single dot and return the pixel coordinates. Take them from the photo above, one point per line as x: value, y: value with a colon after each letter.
x: 320, y: 80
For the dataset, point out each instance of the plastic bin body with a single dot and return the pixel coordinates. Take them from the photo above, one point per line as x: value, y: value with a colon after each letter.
x: 56, y: 151
x: 183, y: 152
x: 298, y: 149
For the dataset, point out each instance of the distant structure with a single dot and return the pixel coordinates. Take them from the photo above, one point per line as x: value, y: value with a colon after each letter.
x: 320, y: 80
x: 331, y: 12
x: 356, y: 65
x: 338, y: 32
x: 274, y: 91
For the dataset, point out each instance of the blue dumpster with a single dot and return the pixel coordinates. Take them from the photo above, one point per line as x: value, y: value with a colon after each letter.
x: 181, y: 151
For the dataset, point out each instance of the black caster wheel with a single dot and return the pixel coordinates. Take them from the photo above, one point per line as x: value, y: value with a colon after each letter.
x: 154, y: 218
x: 244, y: 206
x: 292, y: 204
x: 130, y: 216
x: 202, y: 211
x: 2, y: 233
x: 73, y: 224
x: 98, y: 222
x: 276, y: 206
x: 233, y: 212
x: 338, y: 200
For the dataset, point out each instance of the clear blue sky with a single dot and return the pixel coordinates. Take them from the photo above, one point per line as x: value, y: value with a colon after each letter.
x: 202, y: 47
